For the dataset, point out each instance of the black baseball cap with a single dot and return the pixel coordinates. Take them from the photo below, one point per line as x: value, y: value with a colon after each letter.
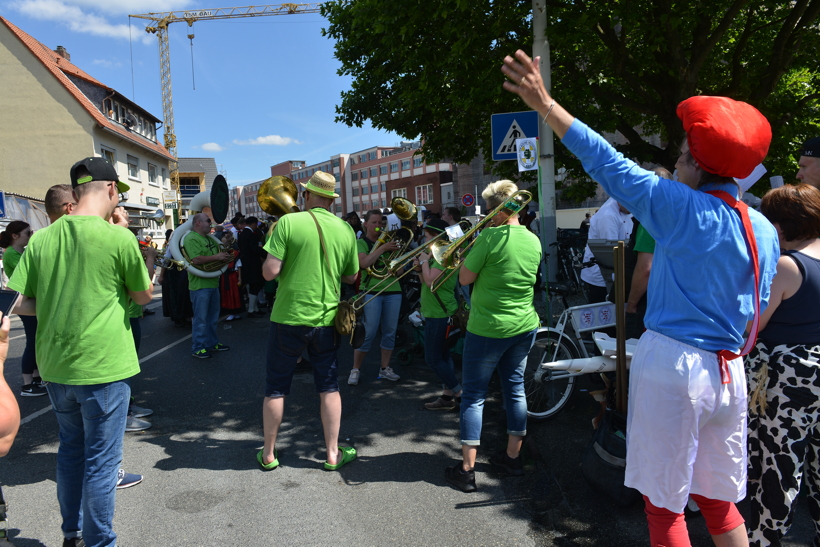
x: 811, y: 148
x: 96, y: 169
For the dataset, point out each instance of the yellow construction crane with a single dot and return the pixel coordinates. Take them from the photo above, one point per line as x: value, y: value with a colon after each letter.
x: 160, y: 28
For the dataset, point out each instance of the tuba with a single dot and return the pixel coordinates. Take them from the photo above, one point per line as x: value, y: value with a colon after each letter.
x: 404, y: 209
x: 214, y: 203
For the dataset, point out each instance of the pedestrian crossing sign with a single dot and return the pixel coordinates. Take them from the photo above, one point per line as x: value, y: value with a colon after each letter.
x: 509, y: 127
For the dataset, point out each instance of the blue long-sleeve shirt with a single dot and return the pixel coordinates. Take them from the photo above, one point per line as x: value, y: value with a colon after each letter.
x: 701, y: 289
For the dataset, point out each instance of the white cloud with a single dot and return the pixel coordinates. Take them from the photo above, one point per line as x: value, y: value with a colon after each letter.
x: 105, y: 63
x: 270, y: 139
x: 123, y: 7
x: 70, y: 14
x: 212, y: 147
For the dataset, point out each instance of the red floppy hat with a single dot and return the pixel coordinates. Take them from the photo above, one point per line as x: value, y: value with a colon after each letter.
x: 726, y: 137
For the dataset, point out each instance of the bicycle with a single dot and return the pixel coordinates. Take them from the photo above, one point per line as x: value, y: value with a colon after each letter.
x: 557, y: 360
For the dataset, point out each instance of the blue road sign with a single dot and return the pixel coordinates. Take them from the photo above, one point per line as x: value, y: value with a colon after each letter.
x: 506, y: 128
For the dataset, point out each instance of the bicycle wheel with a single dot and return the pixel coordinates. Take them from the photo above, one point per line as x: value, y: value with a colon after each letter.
x: 547, y: 398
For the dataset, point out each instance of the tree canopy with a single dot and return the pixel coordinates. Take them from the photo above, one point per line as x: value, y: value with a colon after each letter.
x: 433, y: 69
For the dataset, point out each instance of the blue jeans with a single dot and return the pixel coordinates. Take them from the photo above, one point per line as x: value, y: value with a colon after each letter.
x: 92, y: 425
x: 437, y: 354
x: 382, y: 311
x: 206, y: 316
x: 287, y: 342
x: 30, y: 327
x: 481, y: 357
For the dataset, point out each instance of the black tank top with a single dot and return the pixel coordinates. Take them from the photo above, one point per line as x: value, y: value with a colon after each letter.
x: 797, y: 319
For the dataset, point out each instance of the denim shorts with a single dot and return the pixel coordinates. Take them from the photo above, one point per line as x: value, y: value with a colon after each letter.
x: 287, y: 342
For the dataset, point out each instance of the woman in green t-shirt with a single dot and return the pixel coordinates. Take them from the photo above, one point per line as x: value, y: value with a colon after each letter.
x: 500, y: 332
x: 437, y: 308
x: 14, y: 240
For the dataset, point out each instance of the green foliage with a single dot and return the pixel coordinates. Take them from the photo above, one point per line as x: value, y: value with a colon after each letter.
x: 433, y: 69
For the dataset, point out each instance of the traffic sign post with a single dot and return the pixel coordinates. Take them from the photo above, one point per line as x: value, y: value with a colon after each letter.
x: 468, y: 200
x: 509, y: 127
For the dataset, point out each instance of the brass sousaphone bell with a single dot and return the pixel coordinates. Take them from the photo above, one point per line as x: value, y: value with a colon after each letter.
x: 277, y: 196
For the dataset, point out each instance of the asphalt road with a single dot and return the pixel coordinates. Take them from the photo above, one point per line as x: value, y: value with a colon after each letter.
x: 202, y: 485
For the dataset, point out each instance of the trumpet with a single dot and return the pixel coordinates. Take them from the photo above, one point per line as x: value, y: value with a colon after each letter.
x: 160, y: 260
x: 402, y: 262
x: 451, y: 256
x: 405, y: 210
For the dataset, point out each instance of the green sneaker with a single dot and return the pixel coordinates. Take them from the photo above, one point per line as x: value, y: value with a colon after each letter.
x: 202, y: 354
x: 220, y: 347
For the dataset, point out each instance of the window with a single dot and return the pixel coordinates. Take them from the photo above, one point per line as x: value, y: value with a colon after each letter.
x: 354, y: 176
x: 364, y: 190
x: 384, y: 203
x: 383, y: 170
x: 109, y: 156
x: 338, y: 208
x: 356, y: 207
x: 336, y: 176
x: 164, y: 178
x: 152, y: 175
x: 133, y: 167
x: 394, y: 167
x: 399, y: 193
x: 424, y: 194
x: 384, y: 186
x: 373, y: 155
x: 405, y: 164
x: 373, y: 171
x: 335, y: 162
x: 364, y: 173
x: 374, y: 188
x: 417, y: 162
x: 352, y: 160
x: 362, y: 158
x: 375, y: 203
x: 355, y: 191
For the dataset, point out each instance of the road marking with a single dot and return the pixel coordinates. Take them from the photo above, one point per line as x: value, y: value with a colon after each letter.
x: 16, y: 337
x: 144, y: 359
x: 37, y: 414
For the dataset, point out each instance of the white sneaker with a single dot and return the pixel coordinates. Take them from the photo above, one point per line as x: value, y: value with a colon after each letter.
x: 135, y: 424
x: 353, y: 379
x: 388, y: 374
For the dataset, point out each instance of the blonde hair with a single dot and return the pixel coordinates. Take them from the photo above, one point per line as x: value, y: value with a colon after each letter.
x: 497, y: 193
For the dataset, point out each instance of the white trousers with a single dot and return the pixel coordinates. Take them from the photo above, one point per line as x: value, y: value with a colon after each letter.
x: 686, y: 432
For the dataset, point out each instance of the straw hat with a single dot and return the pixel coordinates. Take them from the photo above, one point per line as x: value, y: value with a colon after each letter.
x: 322, y: 184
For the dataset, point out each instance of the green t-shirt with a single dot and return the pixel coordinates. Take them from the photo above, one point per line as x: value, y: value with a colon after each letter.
x: 10, y: 260
x: 199, y: 245
x: 644, y: 243
x: 79, y: 270
x: 506, y: 260
x: 370, y: 283
x: 308, y: 293
x: 134, y: 310
x: 430, y: 306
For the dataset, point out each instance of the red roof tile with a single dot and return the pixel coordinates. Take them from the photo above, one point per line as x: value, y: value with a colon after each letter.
x: 59, y: 67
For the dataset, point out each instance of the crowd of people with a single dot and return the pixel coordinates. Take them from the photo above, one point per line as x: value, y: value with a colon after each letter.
x: 714, y: 281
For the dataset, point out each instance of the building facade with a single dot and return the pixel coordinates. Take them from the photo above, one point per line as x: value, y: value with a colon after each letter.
x: 55, y: 114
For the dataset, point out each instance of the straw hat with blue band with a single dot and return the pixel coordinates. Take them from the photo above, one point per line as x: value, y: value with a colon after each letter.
x: 93, y: 168
x: 322, y: 184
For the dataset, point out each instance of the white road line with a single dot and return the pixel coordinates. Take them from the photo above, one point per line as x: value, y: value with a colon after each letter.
x: 37, y: 414
x: 144, y: 359
x: 16, y: 337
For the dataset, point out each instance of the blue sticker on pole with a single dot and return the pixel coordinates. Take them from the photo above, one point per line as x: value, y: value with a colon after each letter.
x: 2, y: 205
x: 507, y: 128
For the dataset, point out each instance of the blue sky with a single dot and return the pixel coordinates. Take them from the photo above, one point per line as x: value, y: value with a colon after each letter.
x: 266, y: 87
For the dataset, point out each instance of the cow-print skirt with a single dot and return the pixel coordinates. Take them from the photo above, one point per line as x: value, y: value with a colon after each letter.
x: 784, y: 439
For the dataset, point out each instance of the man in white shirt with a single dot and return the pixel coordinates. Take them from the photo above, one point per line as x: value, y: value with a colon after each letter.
x: 610, y: 222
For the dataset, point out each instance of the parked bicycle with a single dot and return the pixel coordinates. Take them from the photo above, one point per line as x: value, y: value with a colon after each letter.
x: 561, y: 354
x: 570, y: 263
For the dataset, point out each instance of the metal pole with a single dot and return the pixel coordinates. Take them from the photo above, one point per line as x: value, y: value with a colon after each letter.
x: 546, y: 161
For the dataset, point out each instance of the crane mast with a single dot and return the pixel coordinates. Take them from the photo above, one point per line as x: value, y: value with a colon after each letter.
x: 160, y: 28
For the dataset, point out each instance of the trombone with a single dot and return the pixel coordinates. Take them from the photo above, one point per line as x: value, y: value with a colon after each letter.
x: 451, y: 256
x: 400, y: 263
x: 405, y: 210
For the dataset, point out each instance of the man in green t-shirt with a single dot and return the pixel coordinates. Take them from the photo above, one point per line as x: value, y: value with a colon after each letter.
x: 203, y: 249
x: 77, y: 276
x: 311, y: 253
